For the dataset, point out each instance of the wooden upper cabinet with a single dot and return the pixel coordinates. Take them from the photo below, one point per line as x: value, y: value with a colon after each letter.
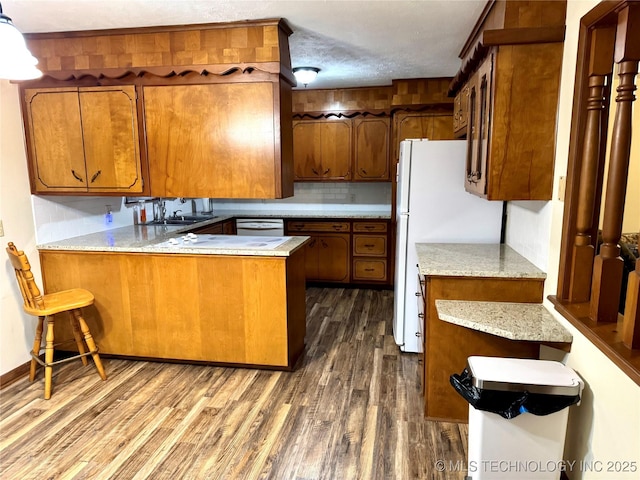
x: 371, y: 158
x: 434, y: 126
x: 212, y: 140
x: 322, y: 150
x: 510, y: 81
x: 83, y: 140
x: 513, y: 101
x: 461, y: 112
x: 478, y: 139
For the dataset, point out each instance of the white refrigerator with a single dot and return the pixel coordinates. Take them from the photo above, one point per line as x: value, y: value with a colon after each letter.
x: 433, y: 207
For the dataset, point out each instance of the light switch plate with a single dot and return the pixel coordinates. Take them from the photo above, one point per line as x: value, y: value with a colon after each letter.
x: 1, y: 229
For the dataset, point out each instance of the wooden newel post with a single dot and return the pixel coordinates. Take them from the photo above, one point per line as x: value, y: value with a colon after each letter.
x: 608, y: 266
x: 631, y: 323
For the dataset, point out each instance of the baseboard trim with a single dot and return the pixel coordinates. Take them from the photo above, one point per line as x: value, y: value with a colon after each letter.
x: 14, y: 375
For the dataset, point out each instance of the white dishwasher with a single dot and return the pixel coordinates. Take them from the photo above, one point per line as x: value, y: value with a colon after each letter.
x: 270, y: 227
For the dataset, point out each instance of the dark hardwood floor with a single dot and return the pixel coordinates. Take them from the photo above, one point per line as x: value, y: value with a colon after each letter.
x: 352, y: 409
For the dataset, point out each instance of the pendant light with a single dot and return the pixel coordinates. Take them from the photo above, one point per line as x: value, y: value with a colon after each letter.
x: 16, y: 61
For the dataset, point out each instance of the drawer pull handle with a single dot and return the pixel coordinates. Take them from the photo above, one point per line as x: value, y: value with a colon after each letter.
x: 418, y: 334
x: 368, y: 245
x: 76, y: 176
x: 418, y: 294
x: 363, y: 171
x: 95, y: 176
x: 326, y: 171
x: 315, y: 171
x: 421, y: 315
x: 369, y: 270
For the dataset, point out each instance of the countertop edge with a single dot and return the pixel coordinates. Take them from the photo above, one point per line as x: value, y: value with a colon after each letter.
x: 532, y: 322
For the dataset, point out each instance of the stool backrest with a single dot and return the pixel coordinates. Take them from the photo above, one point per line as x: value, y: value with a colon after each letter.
x: 28, y: 288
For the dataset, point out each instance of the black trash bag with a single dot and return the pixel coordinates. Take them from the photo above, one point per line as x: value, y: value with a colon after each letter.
x: 509, y: 404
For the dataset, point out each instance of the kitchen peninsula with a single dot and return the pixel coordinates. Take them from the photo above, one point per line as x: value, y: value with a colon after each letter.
x: 220, y: 299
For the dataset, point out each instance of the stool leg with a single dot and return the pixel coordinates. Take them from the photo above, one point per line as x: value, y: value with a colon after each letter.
x: 76, y: 334
x: 48, y: 358
x: 36, y: 348
x: 90, y: 343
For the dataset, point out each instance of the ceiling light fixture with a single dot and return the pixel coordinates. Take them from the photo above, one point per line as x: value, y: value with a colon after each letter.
x: 16, y: 61
x: 305, y: 75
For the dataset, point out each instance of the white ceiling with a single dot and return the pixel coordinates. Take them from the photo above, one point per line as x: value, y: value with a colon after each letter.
x: 354, y: 43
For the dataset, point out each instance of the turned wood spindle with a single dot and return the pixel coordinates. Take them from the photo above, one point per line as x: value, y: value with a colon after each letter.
x: 583, y: 250
x: 608, y: 266
x: 631, y: 322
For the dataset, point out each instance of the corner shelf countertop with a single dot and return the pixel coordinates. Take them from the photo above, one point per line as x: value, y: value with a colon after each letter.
x: 474, y: 260
x: 515, y: 321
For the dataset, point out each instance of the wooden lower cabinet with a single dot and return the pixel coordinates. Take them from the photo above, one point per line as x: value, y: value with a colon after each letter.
x: 244, y: 310
x: 345, y: 251
x: 447, y: 346
x: 370, y: 252
x: 327, y: 258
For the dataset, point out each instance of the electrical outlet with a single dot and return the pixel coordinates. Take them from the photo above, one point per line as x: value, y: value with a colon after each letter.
x: 1, y: 229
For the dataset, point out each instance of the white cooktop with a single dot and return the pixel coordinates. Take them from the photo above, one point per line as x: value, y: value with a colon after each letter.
x: 224, y: 241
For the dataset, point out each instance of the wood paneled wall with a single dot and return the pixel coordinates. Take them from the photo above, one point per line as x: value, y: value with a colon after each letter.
x: 421, y: 91
x: 229, y: 43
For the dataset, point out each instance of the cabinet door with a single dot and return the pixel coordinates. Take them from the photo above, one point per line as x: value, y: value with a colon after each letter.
x: 311, y: 259
x: 214, y: 140
x: 333, y: 258
x: 461, y: 112
x: 55, y: 139
x: 322, y: 150
x: 110, y: 131
x: 480, y: 119
x: 307, y: 151
x: 371, y: 158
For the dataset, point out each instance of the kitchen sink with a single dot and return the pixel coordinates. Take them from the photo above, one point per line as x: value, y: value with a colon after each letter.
x: 182, y: 220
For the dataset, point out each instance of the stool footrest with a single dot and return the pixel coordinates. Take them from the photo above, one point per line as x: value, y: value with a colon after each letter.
x: 63, y: 360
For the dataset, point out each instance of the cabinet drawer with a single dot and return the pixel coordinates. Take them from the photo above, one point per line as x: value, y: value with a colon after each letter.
x: 369, y: 269
x: 374, y: 245
x: 369, y: 227
x: 318, y: 227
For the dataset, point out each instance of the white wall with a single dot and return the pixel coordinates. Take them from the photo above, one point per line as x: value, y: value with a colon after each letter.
x: 605, y: 427
x: 16, y: 328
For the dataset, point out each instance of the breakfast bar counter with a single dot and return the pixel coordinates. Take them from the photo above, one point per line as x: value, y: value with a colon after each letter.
x: 161, y: 295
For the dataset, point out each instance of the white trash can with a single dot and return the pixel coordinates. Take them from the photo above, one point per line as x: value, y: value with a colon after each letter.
x: 524, y: 440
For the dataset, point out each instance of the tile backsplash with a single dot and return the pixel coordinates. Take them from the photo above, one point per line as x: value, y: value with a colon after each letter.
x: 68, y: 216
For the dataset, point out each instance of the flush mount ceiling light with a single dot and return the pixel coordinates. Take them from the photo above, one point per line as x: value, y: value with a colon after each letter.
x: 305, y: 75
x: 16, y: 61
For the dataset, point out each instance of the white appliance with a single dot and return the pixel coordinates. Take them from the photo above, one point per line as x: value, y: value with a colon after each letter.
x: 273, y: 227
x: 433, y: 207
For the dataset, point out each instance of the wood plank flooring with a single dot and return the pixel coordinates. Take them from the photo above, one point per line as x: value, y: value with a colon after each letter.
x: 352, y: 409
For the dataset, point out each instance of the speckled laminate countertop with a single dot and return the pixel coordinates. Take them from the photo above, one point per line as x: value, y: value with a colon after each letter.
x: 474, y: 260
x: 516, y: 321
x: 146, y: 239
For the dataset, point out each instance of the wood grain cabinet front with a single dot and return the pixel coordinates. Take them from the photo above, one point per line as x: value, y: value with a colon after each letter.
x: 83, y: 140
x: 215, y: 140
x: 327, y: 255
x: 371, y: 157
x: 322, y: 150
x: 513, y: 102
x: 370, y: 252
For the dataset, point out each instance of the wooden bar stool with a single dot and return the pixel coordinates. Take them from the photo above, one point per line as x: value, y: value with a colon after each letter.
x: 45, y: 307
